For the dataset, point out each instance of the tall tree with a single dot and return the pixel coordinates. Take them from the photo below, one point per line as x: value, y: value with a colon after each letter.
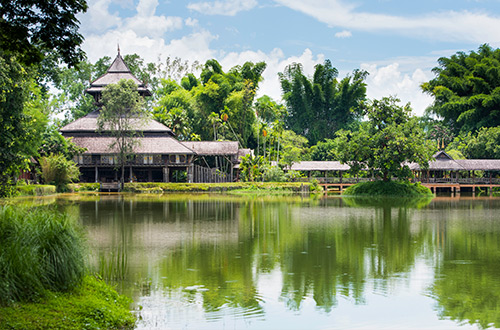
x: 32, y: 29
x: 23, y: 117
x: 121, y: 116
x: 320, y: 106
x: 30, y: 32
x: 466, y: 89
x: 386, y: 143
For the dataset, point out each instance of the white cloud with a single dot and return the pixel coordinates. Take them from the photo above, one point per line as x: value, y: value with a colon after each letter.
x: 464, y: 25
x: 226, y: 8
x: 98, y: 18
x: 390, y: 80
x: 191, y: 22
x: 343, y: 34
x: 146, y: 23
x: 195, y: 46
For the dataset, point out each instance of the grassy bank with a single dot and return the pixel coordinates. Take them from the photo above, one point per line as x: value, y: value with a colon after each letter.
x: 35, y: 190
x: 161, y: 187
x: 91, y: 305
x: 389, y: 188
x: 42, y: 268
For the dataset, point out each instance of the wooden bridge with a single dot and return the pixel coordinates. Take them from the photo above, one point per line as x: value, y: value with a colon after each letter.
x: 453, y: 186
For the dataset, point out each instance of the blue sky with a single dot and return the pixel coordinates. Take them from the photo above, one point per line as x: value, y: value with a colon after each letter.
x: 397, y: 42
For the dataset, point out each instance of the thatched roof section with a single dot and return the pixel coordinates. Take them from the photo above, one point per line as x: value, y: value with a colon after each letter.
x: 213, y: 148
x: 145, y: 145
x: 439, y: 165
x: 480, y: 164
x: 116, y: 72
x: 444, y: 162
x: 319, y: 166
x: 89, y: 124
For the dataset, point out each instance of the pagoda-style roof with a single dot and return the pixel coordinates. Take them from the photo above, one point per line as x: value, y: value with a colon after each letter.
x: 88, y: 124
x: 116, y: 72
x: 145, y: 145
x: 213, y: 148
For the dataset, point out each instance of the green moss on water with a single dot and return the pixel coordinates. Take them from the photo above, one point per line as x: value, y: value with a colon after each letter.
x: 92, y: 305
x: 388, y: 188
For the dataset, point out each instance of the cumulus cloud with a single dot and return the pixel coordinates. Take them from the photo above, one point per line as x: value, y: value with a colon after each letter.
x: 343, y: 34
x: 463, y: 25
x: 227, y: 8
x: 146, y: 23
x: 390, y: 80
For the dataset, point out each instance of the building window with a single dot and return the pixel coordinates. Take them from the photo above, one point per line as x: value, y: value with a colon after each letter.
x: 148, y: 159
x: 78, y: 159
x: 110, y: 160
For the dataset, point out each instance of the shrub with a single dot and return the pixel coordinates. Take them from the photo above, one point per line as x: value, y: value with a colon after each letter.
x: 387, y: 188
x: 58, y: 170
x: 40, y: 249
x: 273, y: 174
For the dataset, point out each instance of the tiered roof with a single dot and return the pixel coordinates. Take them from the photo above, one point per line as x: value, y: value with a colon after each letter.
x: 116, y: 72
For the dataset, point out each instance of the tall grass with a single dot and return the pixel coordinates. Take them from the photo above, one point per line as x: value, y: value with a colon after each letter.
x: 40, y: 249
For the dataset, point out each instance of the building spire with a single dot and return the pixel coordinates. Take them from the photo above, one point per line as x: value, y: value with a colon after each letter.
x: 118, y: 49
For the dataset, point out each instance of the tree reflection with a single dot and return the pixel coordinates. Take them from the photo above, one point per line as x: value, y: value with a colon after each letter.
x: 467, y: 287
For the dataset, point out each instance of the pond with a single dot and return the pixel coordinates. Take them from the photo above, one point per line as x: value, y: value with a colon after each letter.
x: 253, y: 262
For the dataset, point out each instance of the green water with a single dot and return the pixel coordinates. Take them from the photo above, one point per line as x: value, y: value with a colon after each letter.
x: 215, y: 262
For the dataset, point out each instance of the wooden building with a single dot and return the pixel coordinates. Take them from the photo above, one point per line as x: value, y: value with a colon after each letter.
x: 158, y: 155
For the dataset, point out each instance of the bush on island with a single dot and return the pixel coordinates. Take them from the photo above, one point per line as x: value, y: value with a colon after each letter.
x: 388, y: 188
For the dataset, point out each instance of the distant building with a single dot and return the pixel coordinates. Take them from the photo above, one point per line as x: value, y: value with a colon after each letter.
x: 159, y: 156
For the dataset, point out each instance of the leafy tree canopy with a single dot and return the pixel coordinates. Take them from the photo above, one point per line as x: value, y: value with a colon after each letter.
x: 485, y: 144
x: 384, y: 144
x: 120, y: 117
x: 466, y: 89
x: 31, y: 29
x: 319, y: 107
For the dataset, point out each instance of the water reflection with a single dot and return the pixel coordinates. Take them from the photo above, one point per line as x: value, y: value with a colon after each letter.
x: 206, y: 262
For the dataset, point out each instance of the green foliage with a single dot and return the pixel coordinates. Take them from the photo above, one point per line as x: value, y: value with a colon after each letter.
x: 54, y: 143
x: 58, y: 170
x: 71, y: 98
x: 293, y: 175
x: 319, y: 107
x: 386, y: 143
x: 84, y: 186
x: 251, y: 168
x: 484, y: 145
x: 93, y: 305
x: 33, y: 29
x: 466, y: 89
x: 177, y: 109
x: 273, y: 174
x: 268, y: 110
x: 23, y: 118
x: 387, y: 188
x: 324, y: 150
x: 40, y: 249
x: 121, y: 114
x: 293, y: 147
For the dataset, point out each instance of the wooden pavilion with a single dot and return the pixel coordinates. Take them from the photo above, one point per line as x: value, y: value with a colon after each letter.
x: 158, y: 155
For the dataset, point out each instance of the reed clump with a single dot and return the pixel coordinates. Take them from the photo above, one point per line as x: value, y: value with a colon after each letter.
x: 41, y: 250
